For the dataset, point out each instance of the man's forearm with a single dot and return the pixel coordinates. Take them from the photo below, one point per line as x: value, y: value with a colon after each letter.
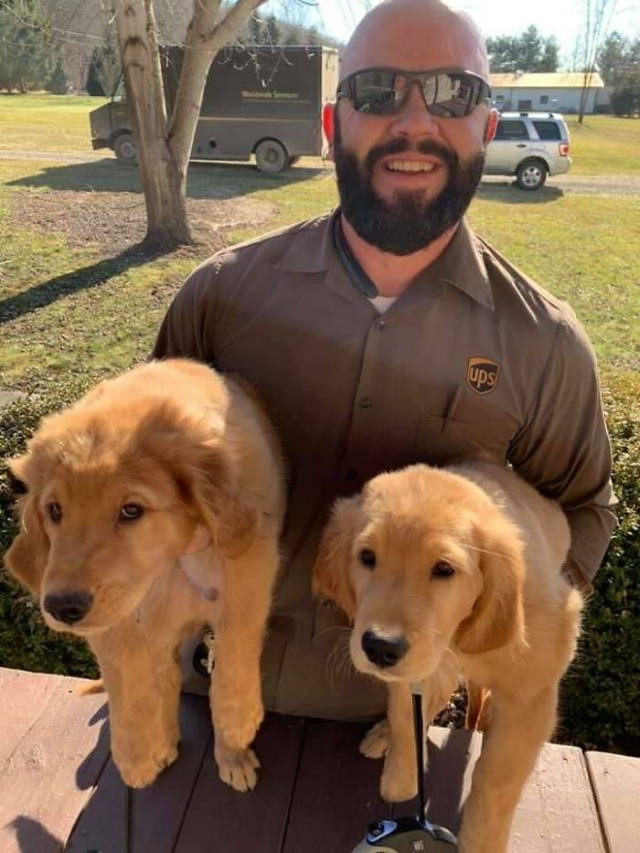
x: 591, y: 529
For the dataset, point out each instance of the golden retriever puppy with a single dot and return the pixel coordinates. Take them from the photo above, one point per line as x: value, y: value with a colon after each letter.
x: 151, y: 508
x: 448, y: 574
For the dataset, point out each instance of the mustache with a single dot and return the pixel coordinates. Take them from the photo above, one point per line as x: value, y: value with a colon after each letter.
x: 400, y: 146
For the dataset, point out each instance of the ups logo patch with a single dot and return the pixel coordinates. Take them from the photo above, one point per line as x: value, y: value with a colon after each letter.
x: 482, y: 374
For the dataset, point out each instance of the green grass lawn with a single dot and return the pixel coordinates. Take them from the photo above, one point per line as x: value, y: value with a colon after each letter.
x: 81, y: 311
x: 46, y: 122
x: 605, y: 145
x: 602, y: 145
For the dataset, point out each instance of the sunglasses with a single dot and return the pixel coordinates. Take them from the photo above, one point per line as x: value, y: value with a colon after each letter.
x: 447, y: 93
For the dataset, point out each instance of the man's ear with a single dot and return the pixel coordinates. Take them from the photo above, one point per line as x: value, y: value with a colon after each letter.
x: 492, y: 125
x: 331, y: 571
x: 497, y: 618
x: 27, y: 557
x: 328, y: 124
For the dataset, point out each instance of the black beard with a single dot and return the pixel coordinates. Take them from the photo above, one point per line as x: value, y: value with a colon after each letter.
x: 408, y: 223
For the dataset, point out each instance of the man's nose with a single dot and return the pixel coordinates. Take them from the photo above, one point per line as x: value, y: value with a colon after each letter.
x: 68, y: 607
x: 414, y: 119
x: 384, y: 651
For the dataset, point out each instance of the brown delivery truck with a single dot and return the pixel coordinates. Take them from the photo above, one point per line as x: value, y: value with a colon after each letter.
x: 264, y: 101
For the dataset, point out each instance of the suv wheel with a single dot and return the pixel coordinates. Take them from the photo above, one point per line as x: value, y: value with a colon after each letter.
x: 531, y: 175
x: 271, y: 156
x: 125, y: 148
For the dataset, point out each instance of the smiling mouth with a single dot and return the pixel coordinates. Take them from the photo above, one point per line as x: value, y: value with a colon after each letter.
x: 409, y: 166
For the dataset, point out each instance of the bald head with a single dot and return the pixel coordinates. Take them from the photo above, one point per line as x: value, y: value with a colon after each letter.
x: 415, y: 35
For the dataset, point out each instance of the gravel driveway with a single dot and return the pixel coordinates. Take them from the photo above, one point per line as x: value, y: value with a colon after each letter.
x: 597, y: 184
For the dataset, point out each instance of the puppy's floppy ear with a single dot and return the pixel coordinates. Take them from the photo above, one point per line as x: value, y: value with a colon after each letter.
x: 229, y: 515
x: 27, y: 557
x: 497, y: 618
x: 330, y: 574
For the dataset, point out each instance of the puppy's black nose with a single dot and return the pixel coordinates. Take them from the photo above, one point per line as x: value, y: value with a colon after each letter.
x: 68, y: 607
x: 384, y: 651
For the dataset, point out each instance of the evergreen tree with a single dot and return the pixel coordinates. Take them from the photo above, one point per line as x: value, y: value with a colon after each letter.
x: 612, y: 58
x: 529, y: 49
x: 272, y: 31
x: 503, y: 54
x: 58, y: 83
x: 256, y: 33
x: 619, y: 64
x: 527, y: 52
x: 28, y: 56
x: 549, y: 60
x: 104, y: 72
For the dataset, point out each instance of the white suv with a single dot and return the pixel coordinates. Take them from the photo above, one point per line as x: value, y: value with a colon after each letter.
x: 529, y: 146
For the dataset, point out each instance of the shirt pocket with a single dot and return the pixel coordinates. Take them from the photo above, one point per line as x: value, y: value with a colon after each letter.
x: 442, y: 441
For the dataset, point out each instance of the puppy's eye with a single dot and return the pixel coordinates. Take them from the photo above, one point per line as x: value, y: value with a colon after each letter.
x: 130, y: 512
x: 55, y: 512
x: 442, y: 570
x: 368, y: 558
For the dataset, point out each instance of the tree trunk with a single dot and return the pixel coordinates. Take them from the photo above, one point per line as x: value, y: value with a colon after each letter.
x: 163, y: 181
x: 164, y: 147
x: 205, y: 36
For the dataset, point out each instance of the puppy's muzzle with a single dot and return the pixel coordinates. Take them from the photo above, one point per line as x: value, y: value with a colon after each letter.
x: 384, y: 651
x: 68, y: 607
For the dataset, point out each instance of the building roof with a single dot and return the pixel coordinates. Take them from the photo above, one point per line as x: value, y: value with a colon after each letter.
x: 555, y: 80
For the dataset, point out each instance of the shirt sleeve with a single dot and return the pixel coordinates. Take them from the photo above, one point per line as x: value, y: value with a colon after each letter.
x: 564, y: 451
x: 186, y: 331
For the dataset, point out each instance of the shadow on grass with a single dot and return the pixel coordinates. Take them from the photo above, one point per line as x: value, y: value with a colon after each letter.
x: 79, y: 279
x: 509, y: 193
x: 205, y: 180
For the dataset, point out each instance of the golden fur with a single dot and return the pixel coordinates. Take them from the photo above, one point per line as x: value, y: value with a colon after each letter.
x: 197, y: 454
x: 505, y: 621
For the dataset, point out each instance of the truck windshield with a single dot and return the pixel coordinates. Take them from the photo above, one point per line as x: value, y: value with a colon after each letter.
x: 120, y: 92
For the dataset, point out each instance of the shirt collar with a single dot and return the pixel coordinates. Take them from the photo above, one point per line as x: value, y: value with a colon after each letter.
x: 461, y: 264
x: 308, y: 254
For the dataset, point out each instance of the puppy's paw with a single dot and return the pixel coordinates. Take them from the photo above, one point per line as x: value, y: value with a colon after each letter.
x: 375, y: 743
x: 142, y: 771
x: 237, y: 767
x: 236, y: 722
x: 398, y: 780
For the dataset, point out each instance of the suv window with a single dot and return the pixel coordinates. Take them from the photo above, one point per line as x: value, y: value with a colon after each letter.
x: 511, y: 129
x: 547, y: 129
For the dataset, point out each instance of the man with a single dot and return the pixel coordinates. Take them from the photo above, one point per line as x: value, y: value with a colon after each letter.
x: 387, y: 333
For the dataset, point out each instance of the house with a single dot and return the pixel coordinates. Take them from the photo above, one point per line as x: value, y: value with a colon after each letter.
x: 557, y: 92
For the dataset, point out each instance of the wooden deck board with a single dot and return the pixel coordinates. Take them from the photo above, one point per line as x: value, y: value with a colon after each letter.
x: 24, y: 696
x: 316, y: 792
x: 158, y: 810
x: 336, y: 795
x: 221, y: 819
x: 557, y: 811
x: 616, y: 782
x: 51, y: 768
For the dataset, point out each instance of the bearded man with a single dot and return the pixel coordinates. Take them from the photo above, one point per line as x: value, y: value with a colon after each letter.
x: 387, y: 333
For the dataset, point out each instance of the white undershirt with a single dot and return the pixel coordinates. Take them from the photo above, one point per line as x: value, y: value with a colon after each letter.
x: 381, y: 303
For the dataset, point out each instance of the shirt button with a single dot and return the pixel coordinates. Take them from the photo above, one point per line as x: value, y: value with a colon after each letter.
x: 379, y: 324
x: 365, y: 403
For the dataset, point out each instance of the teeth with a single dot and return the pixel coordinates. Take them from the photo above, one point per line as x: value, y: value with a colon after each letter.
x: 409, y: 166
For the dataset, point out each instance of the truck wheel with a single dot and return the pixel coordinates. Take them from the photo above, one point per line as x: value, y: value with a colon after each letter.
x: 271, y: 156
x: 125, y: 148
x: 531, y: 174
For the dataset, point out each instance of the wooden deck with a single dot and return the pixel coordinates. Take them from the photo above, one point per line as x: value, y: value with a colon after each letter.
x: 316, y: 794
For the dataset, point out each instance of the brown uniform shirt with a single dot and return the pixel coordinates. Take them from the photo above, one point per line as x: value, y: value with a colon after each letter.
x: 473, y: 356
